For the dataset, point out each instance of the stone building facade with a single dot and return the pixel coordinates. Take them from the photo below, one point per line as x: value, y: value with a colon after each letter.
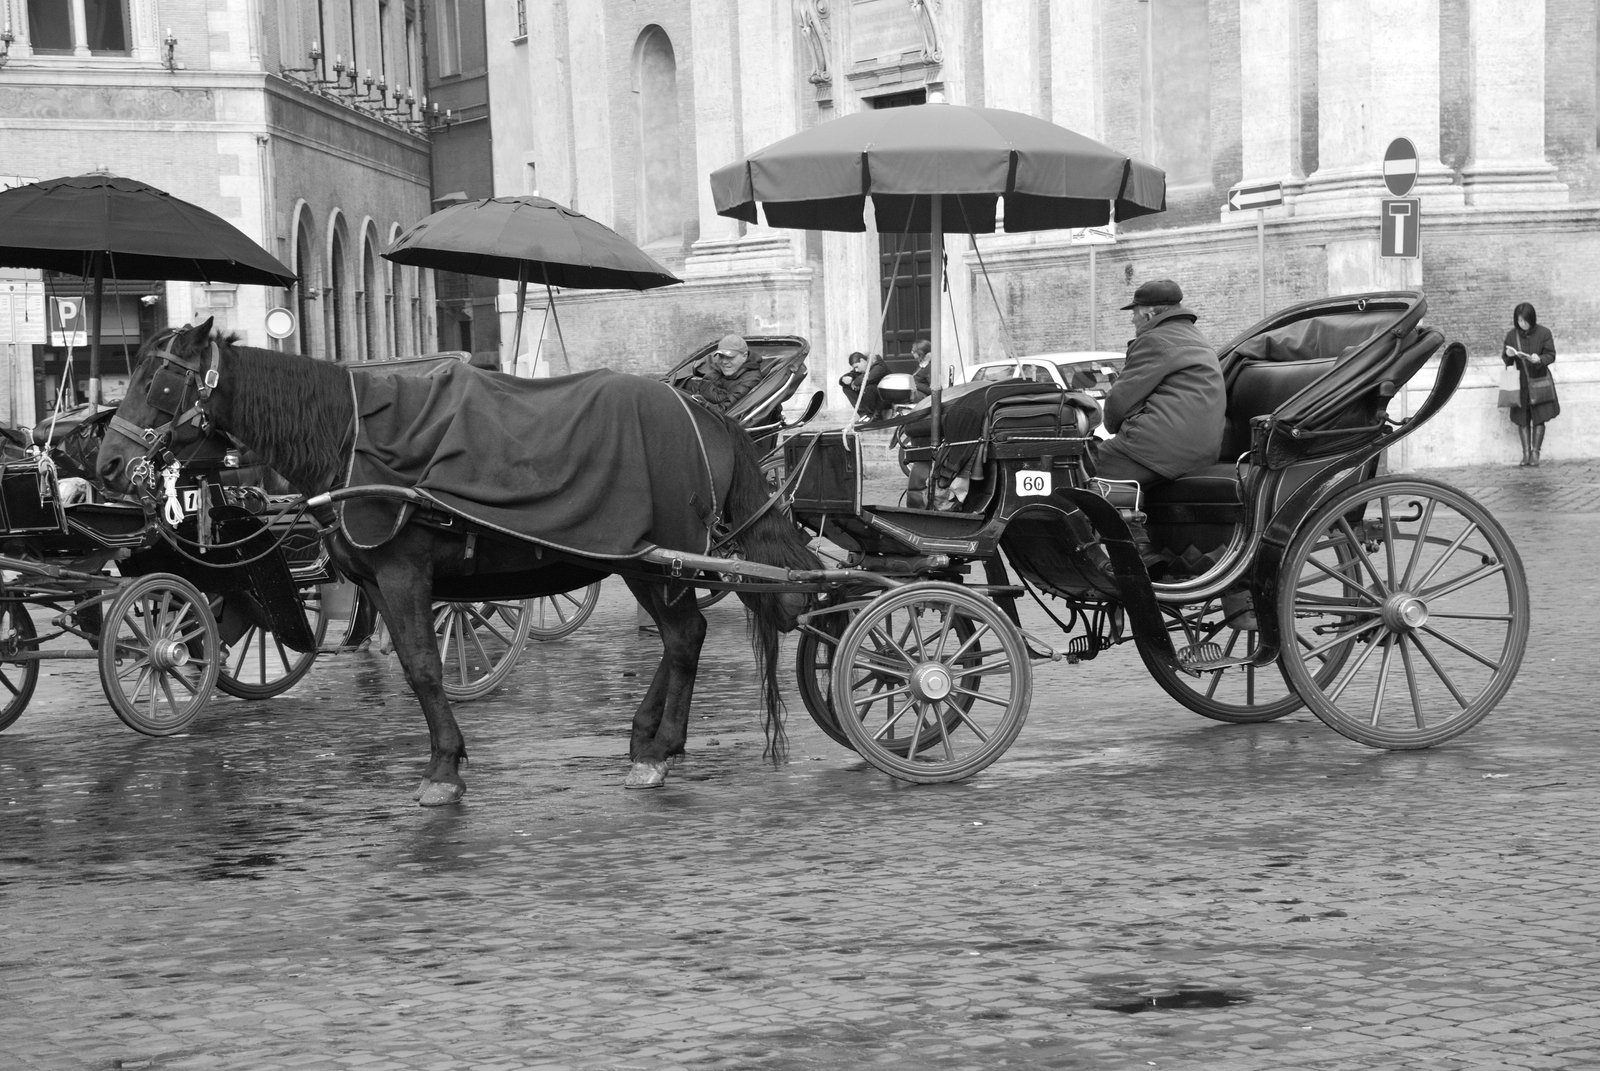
x: 265, y: 112
x: 622, y: 108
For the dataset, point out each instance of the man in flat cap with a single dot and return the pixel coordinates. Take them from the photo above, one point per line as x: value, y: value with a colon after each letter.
x: 730, y: 373
x: 1167, y: 407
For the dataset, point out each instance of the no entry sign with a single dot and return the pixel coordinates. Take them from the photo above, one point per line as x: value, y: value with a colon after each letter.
x: 1400, y: 167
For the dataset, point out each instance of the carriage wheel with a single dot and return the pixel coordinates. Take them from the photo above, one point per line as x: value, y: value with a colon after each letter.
x: 931, y: 683
x: 17, y: 679
x: 480, y: 643
x: 813, y: 671
x: 1241, y: 694
x: 258, y: 666
x: 159, y: 654
x: 709, y: 598
x: 1424, y: 593
x: 554, y: 616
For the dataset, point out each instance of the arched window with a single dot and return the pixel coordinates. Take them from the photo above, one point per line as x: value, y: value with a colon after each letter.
x: 339, y: 295
x: 660, y: 188
x: 374, y: 344
x: 308, y: 289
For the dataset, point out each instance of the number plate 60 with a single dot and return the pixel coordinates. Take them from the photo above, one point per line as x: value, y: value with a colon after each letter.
x: 1033, y: 482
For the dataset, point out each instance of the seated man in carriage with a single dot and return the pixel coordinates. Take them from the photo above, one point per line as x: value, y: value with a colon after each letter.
x: 730, y: 374
x: 1167, y: 409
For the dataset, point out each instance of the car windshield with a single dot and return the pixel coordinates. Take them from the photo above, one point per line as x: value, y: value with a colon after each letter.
x: 1087, y: 376
x: 1008, y: 370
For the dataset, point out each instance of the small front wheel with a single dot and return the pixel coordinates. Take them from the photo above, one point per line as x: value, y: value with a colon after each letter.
x: 257, y: 664
x: 931, y: 683
x: 1418, y: 594
x: 551, y: 617
x: 159, y: 654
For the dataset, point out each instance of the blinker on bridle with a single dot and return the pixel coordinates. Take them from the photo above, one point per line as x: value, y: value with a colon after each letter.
x: 168, y: 386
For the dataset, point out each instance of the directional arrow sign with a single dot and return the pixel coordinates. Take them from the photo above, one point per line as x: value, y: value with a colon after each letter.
x: 1262, y: 195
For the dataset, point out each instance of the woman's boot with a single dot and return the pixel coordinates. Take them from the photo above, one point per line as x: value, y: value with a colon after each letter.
x: 1538, y: 443
x: 1526, y: 438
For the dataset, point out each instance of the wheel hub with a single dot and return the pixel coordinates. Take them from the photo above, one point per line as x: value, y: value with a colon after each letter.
x: 168, y: 654
x: 931, y: 681
x: 1405, y: 612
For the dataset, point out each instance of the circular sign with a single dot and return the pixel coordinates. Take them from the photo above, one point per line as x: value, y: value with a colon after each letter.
x: 280, y: 322
x: 1400, y: 167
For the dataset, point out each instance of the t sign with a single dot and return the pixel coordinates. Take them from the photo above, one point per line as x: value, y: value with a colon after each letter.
x: 1401, y: 228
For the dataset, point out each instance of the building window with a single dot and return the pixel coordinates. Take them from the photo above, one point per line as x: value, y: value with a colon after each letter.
x: 449, y: 37
x: 50, y: 26
x: 53, y: 28
x: 660, y: 181
x: 522, y: 18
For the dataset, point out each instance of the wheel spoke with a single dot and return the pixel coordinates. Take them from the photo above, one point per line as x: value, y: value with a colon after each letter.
x: 1464, y: 647
x: 1416, y: 548
x: 1439, y: 671
x: 1354, y: 546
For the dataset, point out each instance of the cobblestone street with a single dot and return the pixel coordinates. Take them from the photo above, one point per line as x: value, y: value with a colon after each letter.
x: 1130, y: 886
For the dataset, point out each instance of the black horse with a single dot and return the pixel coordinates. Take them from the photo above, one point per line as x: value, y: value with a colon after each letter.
x: 298, y: 415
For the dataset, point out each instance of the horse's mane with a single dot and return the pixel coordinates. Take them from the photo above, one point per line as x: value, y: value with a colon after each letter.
x: 295, y: 412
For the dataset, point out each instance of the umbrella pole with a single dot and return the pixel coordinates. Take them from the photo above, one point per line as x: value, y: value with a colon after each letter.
x: 936, y: 365
x: 516, y: 333
x: 94, y: 337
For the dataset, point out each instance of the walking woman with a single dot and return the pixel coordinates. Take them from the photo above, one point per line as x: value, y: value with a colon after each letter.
x: 1531, y: 349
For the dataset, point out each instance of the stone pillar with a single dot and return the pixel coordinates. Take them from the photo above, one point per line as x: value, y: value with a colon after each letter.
x: 1378, y: 79
x: 1077, y: 67
x: 1011, y: 55
x: 1269, y: 36
x: 1507, y: 166
x: 593, y: 191
x: 715, y: 26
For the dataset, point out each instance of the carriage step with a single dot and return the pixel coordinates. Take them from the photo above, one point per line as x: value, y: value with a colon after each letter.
x: 1208, y: 657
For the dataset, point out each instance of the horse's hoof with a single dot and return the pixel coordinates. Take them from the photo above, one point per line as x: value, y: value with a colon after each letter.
x: 646, y: 775
x: 439, y: 793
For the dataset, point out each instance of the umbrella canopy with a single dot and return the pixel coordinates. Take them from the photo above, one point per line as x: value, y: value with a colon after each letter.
x: 528, y: 238
x: 92, y: 225
x: 934, y: 168
x: 101, y: 224
x: 1050, y: 177
x: 532, y: 239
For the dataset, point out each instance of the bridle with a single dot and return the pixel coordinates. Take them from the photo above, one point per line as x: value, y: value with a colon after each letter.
x: 174, y: 381
x: 170, y: 384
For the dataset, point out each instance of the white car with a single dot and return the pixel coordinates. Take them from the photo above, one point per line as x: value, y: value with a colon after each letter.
x: 1091, y: 371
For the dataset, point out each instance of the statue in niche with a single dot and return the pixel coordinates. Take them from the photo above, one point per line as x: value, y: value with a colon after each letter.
x: 814, y: 27
x: 923, y: 11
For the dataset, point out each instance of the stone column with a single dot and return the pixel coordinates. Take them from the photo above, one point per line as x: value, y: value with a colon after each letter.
x: 1269, y: 36
x: 1076, y: 67
x: 1507, y: 167
x: 1011, y: 55
x: 715, y: 26
x: 593, y: 190
x: 1378, y: 79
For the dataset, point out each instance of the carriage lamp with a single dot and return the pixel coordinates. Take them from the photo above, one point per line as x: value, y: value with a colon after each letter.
x: 169, y: 45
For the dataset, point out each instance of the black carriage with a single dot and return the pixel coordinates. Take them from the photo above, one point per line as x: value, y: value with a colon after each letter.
x: 214, y: 594
x: 1292, y: 572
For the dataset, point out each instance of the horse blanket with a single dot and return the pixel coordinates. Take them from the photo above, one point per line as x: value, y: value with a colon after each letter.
x: 601, y: 464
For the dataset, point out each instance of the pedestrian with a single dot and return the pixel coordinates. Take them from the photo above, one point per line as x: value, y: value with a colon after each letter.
x: 852, y: 381
x: 1530, y: 348
x: 730, y: 374
x: 922, y: 349
x: 870, y: 405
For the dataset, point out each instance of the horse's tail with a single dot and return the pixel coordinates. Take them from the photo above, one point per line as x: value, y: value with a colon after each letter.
x: 772, y: 539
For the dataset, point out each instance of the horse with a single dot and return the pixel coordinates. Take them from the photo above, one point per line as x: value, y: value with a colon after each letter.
x: 299, y: 417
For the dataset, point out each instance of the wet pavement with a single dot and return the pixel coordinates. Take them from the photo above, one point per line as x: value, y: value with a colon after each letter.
x: 1131, y: 885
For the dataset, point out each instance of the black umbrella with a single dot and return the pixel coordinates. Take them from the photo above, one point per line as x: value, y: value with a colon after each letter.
x: 99, y: 224
x: 935, y: 168
x: 528, y: 239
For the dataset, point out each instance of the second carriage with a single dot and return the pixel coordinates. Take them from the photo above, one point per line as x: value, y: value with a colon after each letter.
x: 1291, y: 572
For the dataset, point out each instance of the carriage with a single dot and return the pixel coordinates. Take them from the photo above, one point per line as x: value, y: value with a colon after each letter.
x: 1293, y: 571
x: 218, y: 602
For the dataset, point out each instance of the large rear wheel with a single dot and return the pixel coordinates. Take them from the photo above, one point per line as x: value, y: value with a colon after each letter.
x: 1422, y: 591
x: 931, y: 683
x: 551, y: 617
x: 480, y: 643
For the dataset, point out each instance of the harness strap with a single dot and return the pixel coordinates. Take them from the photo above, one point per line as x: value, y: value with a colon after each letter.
x: 782, y: 493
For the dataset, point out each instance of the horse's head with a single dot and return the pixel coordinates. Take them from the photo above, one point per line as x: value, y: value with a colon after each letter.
x: 164, y: 411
